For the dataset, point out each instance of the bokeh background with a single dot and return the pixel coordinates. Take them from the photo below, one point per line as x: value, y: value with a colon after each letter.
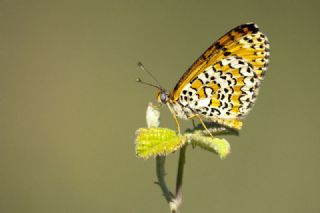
x: 69, y: 106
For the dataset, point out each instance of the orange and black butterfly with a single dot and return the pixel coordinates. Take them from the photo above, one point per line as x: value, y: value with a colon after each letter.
x: 222, y: 84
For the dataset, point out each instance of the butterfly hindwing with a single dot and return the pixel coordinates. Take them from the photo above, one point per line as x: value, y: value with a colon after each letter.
x: 224, y: 92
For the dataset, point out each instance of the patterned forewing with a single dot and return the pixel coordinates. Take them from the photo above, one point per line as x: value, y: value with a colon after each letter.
x: 245, y: 41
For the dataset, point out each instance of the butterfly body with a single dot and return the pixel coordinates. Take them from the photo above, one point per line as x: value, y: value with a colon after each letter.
x: 222, y: 85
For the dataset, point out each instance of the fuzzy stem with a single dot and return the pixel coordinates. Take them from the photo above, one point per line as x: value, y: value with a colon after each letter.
x: 153, y: 120
x: 182, y: 160
x: 160, y: 170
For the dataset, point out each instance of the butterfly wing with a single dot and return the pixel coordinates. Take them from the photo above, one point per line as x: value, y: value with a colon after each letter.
x: 223, y: 83
x: 224, y: 92
x: 245, y: 41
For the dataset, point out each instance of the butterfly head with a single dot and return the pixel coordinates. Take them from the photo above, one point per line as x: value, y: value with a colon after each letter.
x: 162, y: 96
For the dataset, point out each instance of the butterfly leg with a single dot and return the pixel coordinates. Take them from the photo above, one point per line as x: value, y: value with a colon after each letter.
x: 175, y: 118
x: 202, y: 123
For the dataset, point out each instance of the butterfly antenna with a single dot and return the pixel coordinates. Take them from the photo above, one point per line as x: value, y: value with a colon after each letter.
x: 142, y: 67
x: 146, y: 83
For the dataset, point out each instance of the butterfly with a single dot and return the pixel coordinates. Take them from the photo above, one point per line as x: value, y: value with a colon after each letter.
x: 221, y: 86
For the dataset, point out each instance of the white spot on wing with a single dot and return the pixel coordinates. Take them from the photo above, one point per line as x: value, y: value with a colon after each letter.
x: 204, y: 102
x: 208, y: 91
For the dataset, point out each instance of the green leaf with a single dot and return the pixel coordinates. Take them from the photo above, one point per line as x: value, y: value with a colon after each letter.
x: 157, y: 141
x: 216, y: 145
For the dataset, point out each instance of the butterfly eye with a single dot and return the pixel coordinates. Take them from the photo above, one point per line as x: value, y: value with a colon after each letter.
x: 163, y: 97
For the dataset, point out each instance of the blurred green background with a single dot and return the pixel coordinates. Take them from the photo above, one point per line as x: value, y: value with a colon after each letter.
x: 69, y: 106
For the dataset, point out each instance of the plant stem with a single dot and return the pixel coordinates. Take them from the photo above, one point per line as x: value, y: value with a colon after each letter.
x: 182, y: 160
x: 160, y: 170
x: 153, y: 120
